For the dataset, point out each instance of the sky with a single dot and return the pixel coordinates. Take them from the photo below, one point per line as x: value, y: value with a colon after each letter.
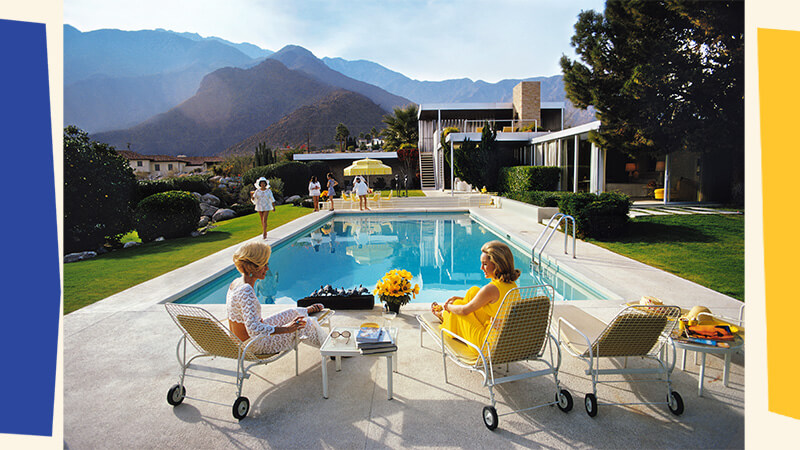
x: 425, y: 40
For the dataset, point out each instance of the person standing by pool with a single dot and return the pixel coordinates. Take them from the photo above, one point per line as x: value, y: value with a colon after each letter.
x: 271, y: 334
x: 264, y: 200
x: 362, y: 190
x: 314, y: 189
x: 471, y: 316
x: 331, y: 191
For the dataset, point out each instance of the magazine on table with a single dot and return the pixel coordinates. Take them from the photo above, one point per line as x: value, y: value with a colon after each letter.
x: 373, y: 351
x: 375, y: 338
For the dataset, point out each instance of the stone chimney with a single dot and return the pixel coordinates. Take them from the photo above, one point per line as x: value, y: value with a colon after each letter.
x: 527, y: 103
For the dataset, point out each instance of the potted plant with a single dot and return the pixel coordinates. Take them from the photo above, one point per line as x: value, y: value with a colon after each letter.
x: 395, y: 289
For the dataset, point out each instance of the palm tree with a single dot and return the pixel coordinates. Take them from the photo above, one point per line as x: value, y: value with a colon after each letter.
x: 401, y: 128
x: 341, y: 135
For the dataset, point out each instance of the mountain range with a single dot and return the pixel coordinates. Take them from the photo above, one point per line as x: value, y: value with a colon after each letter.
x: 165, y: 92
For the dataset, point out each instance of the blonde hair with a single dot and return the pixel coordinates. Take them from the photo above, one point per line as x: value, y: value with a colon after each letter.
x: 503, y: 260
x: 251, y: 256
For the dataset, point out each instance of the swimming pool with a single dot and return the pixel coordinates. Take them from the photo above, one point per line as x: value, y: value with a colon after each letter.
x: 441, y: 250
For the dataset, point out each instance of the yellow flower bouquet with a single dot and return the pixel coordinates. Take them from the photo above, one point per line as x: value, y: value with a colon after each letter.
x: 395, y: 289
x: 323, y: 195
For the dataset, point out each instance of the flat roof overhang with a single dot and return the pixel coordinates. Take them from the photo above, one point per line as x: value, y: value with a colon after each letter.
x: 343, y: 155
x: 471, y: 111
x: 523, y: 137
x: 569, y: 132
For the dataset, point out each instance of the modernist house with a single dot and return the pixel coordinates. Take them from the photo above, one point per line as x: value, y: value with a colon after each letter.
x: 162, y: 165
x: 518, y: 122
x: 532, y: 133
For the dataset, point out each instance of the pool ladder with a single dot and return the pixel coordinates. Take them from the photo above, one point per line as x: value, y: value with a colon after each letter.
x: 559, y: 218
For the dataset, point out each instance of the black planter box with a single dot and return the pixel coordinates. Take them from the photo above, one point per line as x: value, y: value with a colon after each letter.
x: 366, y: 301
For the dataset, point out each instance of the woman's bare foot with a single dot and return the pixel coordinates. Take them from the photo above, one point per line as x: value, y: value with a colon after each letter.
x: 436, y: 309
x: 316, y: 307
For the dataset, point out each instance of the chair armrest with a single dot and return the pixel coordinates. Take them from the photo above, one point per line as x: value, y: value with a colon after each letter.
x: 468, y: 343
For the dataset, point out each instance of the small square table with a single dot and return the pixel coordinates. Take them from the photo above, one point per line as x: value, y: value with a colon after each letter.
x: 338, y: 347
x: 726, y: 352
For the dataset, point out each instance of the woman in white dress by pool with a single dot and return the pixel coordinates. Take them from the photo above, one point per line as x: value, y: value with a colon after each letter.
x: 276, y: 332
x: 264, y: 200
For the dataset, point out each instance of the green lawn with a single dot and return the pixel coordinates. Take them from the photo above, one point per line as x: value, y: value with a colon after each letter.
x: 706, y: 249
x: 86, y: 282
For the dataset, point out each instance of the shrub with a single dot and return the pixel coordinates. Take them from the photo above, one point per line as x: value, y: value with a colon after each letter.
x: 99, y: 192
x: 603, y: 216
x: 192, y: 183
x: 539, y: 198
x: 294, y: 174
x: 170, y: 214
x: 225, y: 196
x: 529, y: 178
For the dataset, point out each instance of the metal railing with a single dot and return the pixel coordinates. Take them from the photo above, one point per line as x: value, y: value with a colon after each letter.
x: 559, y: 218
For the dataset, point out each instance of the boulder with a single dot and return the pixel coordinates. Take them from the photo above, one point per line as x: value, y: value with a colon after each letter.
x: 198, y: 196
x: 207, y: 210
x: 195, y: 233
x: 80, y: 256
x: 292, y: 199
x: 204, y: 220
x: 211, y: 199
x: 159, y: 239
x: 215, y: 179
x: 223, y: 214
x: 131, y: 244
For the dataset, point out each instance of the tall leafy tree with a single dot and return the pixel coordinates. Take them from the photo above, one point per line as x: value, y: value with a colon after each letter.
x: 402, y: 127
x: 99, y: 188
x: 663, y: 76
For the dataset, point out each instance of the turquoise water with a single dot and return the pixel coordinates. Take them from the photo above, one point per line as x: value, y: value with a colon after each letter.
x: 442, y: 252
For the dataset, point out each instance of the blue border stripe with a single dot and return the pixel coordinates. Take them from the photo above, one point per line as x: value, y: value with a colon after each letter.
x: 31, y: 280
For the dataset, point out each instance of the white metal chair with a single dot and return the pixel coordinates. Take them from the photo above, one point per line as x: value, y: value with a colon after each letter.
x: 637, y: 331
x: 518, y: 332
x: 213, y: 339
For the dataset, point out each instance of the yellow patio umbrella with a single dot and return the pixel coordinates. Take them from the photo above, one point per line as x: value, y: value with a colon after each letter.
x: 367, y: 167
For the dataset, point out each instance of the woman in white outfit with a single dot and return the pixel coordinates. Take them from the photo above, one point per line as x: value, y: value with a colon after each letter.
x: 244, y: 310
x: 314, y: 189
x: 264, y: 200
x: 362, y: 190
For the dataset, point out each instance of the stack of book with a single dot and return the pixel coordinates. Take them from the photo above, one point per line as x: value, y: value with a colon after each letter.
x: 371, y: 340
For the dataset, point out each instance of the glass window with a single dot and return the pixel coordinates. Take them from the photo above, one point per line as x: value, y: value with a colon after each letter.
x: 169, y: 166
x: 158, y: 167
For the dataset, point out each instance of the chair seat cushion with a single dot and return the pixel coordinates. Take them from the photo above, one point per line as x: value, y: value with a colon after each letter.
x: 589, y: 325
x: 463, y: 352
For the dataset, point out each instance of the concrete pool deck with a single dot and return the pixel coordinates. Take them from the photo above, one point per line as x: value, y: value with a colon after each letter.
x: 119, y: 361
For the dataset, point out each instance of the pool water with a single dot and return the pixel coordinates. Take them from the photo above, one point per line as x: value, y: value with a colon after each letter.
x: 441, y: 251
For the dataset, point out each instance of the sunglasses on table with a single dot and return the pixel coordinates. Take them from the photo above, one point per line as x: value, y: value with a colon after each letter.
x: 345, y: 334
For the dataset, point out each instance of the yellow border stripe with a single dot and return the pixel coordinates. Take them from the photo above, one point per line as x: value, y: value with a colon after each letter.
x: 779, y: 72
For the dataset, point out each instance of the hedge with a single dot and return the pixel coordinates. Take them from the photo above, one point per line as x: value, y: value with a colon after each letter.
x: 538, y: 198
x: 191, y: 183
x: 169, y: 214
x: 529, y: 178
x: 603, y: 216
x: 295, y: 176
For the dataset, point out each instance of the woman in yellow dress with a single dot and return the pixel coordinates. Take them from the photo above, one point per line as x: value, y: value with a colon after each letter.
x: 470, y: 316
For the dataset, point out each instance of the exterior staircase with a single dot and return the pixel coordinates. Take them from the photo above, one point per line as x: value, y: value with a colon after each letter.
x: 427, y: 171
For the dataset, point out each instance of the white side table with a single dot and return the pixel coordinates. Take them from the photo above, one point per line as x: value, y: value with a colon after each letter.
x: 338, y: 348
x: 707, y: 349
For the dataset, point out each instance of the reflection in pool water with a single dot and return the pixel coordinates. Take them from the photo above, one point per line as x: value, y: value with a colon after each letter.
x: 441, y: 251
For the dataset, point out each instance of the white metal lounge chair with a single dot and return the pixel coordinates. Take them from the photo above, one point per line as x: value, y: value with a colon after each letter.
x: 637, y: 331
x: 211, y: 339
x: 519, y: 332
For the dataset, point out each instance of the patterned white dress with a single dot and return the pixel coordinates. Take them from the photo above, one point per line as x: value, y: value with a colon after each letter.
x: 243, y: 307
x: 263, y: 199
